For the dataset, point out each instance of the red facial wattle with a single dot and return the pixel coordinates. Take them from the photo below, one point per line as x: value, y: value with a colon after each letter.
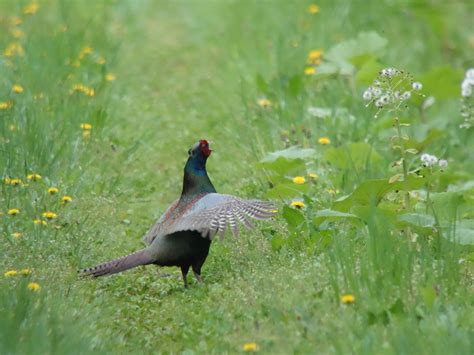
x: 204, y: 146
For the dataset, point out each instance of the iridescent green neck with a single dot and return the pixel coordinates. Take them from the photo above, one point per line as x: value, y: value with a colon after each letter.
x: 196, y: 181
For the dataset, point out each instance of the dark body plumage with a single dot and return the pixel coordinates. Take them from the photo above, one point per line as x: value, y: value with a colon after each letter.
x: 183, y: 234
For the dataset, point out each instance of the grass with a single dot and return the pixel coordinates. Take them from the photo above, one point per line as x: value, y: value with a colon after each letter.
x: 190, y: 70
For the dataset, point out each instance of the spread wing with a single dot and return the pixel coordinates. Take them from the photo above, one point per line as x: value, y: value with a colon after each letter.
x: 214, y: 212
x: 155, y: 230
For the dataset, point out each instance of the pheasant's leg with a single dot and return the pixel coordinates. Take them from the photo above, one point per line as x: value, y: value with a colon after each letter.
x: 184, y: 272
x: 197, y: 272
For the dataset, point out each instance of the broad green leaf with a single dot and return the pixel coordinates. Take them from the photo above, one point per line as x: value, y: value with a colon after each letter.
x: 442, y: 82
x: 418, y: 219
x: 432, y: 135
x: 284, y: 191
x: 368, y: 70
x: 338, y: 58
x: 372, y: 191
x: 461, y: 233
x: 370, y: 214
x: 277, y: 242
x: 446, y: 204
x: 293, y: 217
x: 331, y: 215
x: 290, y: 153
x: 354, y: 155
x: 422, y: 223
x: 283, y: 166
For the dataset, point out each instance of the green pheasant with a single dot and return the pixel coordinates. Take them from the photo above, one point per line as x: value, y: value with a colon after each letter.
x: 183, y: 235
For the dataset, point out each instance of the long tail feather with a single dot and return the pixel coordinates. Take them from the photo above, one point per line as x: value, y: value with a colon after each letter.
x: 121, y: 264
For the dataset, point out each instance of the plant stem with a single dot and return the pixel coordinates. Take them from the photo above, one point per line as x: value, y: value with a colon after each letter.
x: 404, y: 161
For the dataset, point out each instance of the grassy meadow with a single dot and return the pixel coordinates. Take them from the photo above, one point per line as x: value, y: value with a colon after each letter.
x: 372, y: 249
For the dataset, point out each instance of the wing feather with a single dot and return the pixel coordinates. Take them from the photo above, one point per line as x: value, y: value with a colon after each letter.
x: 214, y: 212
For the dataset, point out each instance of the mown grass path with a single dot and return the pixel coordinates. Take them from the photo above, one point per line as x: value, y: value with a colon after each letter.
x: 191, y: 70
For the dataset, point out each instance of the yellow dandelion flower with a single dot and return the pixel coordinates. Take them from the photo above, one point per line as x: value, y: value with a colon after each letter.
x: 90, y: 92
x: 39, y: 222
x: 6, y: 180
x: 314, y: 56
x: 297, y: 204
x: 17, y: 33
x: 31, y: 8
x: 66, y: 199
x: 15, y: 182
x: 13, y: 211
x: 110, y: 77
x: 5, y: 105
x: 310, y: 71
x: 34, y: 286
x: 49, y: 215
x: 17, y: 89
x: 250, y: 347
x: 15, y: 21
x: 347, y: 298
x: 299, y: 180
x: 86, y: 50
x: 84, y: 89
x: 86, y: 126
x: 313, y: 175
x: 324, y: 140
x: 101, y: 60
x: 17, y: 235
x: 313, y: 9
x: 10, y: 273
x: 34, y: 177
x: 53, y: 190
x: 264, y: 103
x: 12, y: 49
x: 25, y: 271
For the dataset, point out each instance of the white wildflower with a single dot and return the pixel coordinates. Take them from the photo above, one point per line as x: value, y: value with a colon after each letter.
x: 376, y: 92
x: 466, y: 92
x: 379, y: 103
x: 428, y: 159
x: 367, y: 96
x: 406, y: 95
x: 443, y: 163
x: 470, y: 74
x: 416, y: 85
x: 385, y: 99
x: 468, y: 83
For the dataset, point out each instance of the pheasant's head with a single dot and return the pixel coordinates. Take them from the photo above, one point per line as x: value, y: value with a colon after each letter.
x: 198, y: 155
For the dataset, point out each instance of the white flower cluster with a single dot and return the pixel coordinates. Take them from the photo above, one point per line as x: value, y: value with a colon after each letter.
x: 429, y: 160
x: 391, y: 88
x: 467, y: 84
x: 467, y: 100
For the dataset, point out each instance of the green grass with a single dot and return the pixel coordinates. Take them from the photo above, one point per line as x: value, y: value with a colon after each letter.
x: 191, y: 70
